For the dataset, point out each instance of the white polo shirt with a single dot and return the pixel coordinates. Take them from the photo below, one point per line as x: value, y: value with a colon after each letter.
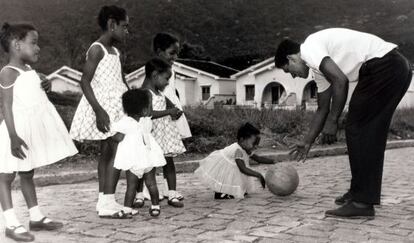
x: 349, y: 49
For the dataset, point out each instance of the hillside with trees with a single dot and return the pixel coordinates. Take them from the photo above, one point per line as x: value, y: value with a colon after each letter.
x: 237, y: 33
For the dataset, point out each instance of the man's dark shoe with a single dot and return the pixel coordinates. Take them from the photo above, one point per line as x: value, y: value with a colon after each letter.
x: 352, y: 210
x: 41, y: 225
x: 343, y: 199
x: 25, y: 236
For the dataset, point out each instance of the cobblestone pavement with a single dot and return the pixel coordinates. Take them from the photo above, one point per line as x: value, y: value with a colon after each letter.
x: 262, y: 217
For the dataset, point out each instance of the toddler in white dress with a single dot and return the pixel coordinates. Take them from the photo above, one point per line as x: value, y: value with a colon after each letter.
x: 138, y: 153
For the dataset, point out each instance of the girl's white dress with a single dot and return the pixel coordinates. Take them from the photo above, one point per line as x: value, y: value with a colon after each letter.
x: 138, y: 151
x: 165, y: 130
x: 39, y: 125
x: 220, y: 172
x: 181, y: 123
x: 108, y: 87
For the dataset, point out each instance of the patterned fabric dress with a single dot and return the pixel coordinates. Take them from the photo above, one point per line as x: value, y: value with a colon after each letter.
x: 108, y: 87
x: 220, y: 172
x: 181, y: 123
x: 36, y: 122
x: 165, y: 130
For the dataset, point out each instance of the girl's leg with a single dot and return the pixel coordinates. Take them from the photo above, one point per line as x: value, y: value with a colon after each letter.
x: 109, y: 204
x: 132, y: 184
x: 102, y: 164
x: 38, y: 221
x: 28, y: 188
x: 6, y: 180
x: 151, y: 184
x: 169, y: 173
x: 111, y: 174
x: 14, y: 228
x: 140, y: 199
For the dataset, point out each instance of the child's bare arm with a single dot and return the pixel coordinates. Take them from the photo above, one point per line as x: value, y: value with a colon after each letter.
x: 168, y: 112
x: 249, y: 172
x: 118, y: 137
x: 245, y: 170
x: 262, y: 160
x: 7, y: 79
x: 95, y: 54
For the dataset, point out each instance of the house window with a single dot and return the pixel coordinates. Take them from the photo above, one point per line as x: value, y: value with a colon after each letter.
x: 249, y: 92
x: 205, y: 92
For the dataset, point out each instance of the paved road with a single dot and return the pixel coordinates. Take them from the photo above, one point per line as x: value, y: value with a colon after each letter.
x: 262, y: 217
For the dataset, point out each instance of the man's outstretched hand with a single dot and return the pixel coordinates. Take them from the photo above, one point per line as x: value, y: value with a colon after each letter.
x: 299, y: 151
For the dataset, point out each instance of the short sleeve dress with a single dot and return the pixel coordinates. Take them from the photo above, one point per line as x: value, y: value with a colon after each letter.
x: 220, y: 172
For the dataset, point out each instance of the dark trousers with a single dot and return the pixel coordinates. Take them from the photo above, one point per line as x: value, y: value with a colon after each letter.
x: 381, y: 86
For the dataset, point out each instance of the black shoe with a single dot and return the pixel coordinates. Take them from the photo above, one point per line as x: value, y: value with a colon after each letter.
x: 218, y: 195
x: 41, y: 225
x: 343, y: 199
x: 25, y: 236
x: 351, y: 211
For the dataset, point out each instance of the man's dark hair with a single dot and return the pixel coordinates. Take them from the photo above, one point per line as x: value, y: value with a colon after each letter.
x: 285, y: 48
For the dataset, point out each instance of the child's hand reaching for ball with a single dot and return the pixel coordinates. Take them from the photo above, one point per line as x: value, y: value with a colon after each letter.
x: 262, y: 181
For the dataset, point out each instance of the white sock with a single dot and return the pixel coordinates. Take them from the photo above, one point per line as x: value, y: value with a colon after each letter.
x: 171, y: 194
x: 140, y: 195
x: 11, y: 218
x: 36, y: 215
x: 155, y: 207
x: 100, y: 197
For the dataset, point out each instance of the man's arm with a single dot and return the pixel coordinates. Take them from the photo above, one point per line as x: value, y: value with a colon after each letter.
x: 339, y: 84
x: 301, y: 149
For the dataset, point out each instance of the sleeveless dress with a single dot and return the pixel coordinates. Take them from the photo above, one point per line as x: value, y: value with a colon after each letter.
x: 181, y: 123
x: 165, y: 130
x: 220, y: 172
x: 138, y: 151
x: 108, y: 87
x: 39, y: 125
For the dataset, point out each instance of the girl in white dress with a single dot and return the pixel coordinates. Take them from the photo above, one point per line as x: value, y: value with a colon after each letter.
x: 138, y: 153
x: 227, y: 171
x: 32, y: 133
x: 103, y: 84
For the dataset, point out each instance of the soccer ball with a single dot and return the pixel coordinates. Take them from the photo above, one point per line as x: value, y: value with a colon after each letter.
x: 282, y: 179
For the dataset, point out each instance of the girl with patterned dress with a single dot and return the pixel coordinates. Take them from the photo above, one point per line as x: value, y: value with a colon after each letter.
x: 32, y: 133
x: 166, y: 46
x: 138, y: 153
x: 227, y: 171
x: 103, y: 84
x: 165, y: 132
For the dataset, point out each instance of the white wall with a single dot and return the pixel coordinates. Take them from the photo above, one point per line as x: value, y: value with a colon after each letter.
x: 61, y: 86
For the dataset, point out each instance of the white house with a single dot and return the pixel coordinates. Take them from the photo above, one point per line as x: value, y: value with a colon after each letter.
x: 65, y: 79
x: 197, y: 82
x: 263, y: 85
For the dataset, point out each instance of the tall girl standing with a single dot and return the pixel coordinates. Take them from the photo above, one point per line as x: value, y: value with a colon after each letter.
x: 103, y: 84
x: 32, y: 134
